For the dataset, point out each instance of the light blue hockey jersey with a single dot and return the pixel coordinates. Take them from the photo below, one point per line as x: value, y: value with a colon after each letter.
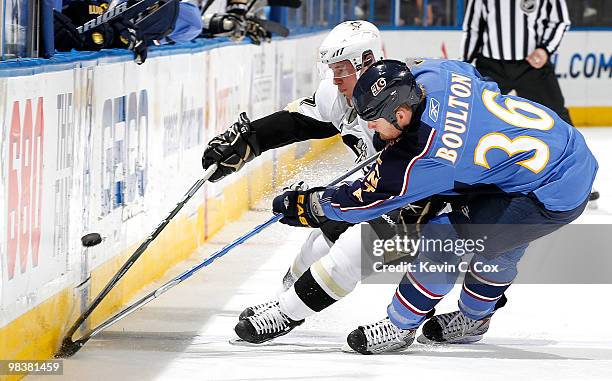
x: 470, y: 136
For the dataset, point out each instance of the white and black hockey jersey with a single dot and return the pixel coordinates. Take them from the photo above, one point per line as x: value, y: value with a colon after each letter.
x: 329, y: 105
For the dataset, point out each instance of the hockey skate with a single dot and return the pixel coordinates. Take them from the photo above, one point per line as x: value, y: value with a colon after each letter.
x: 254, y: 310
x: 265, y: 325
x: 456, y: 328
x: 453, y: 328
x: 382, y: 336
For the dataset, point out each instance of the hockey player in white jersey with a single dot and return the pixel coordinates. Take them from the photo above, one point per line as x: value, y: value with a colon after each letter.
x: 346, y: 51
x: 328, y: 266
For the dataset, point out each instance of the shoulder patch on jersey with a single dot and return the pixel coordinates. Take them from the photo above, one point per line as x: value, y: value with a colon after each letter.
x: 434, y: 109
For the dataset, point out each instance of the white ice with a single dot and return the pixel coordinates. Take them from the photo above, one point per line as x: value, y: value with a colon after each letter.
x: 546, y: 332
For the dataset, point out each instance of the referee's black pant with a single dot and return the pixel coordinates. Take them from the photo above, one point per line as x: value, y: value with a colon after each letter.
x: 538, y: 85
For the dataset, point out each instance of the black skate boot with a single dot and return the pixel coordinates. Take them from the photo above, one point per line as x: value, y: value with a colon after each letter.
x: 265, y: 325
x: 382, y: 336
x: 456, y: 328
x: 253, y: 310
x: 453, y: 328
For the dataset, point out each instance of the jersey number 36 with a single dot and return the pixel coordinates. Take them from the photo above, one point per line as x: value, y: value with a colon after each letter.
x: 511, y: 115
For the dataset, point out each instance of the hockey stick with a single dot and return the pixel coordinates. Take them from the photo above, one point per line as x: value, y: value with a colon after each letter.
x: 114, y: 12
x: 206, y: 6
x: 70, y: 347
x: 285, y: 3
x: 67, y: 343
x: 271, y: 26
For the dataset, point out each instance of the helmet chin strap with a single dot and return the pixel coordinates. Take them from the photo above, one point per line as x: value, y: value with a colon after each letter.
x: 396, y: 125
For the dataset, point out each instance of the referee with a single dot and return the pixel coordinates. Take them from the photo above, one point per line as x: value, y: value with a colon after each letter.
x: 512, y: 40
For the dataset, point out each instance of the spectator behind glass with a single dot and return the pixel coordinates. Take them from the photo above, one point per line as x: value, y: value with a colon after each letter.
x: 414, y: 12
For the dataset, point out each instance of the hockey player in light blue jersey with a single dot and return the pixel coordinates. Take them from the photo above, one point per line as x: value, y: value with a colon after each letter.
x: 467, y: 135
x: 449, y: 131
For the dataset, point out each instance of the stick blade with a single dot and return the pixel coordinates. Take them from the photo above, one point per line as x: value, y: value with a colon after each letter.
x: 273, y: 27
x: 285, y: 3
x: 69, y: 348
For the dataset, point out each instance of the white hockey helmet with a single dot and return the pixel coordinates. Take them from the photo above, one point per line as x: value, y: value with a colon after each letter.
x: 349, y: 41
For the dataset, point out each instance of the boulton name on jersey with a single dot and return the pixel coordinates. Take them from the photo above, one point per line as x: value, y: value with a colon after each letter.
x: 457, y: 116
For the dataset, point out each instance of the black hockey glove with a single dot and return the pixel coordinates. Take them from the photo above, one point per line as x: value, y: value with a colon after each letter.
x: 300, y: 206
x: 130, y: 37
x: 65, y: 33
x: 256, y: 33
x: 231, y: 149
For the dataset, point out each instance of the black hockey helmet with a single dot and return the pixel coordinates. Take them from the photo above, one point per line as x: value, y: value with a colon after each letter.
x: 385, y: 86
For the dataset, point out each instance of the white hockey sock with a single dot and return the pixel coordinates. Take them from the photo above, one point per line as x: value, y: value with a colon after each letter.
x: 315, y: 247
x: 292, y: 306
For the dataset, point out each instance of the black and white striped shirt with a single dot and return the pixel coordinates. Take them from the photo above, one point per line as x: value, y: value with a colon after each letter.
x: 512, y: 29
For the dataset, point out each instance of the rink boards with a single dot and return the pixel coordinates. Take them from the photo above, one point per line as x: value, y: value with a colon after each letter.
x: 108, y: 146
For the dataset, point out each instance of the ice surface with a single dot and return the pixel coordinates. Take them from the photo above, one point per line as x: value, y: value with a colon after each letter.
x: 546, y: 332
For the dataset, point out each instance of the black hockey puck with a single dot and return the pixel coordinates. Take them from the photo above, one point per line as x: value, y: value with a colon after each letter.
x: 91, y: 239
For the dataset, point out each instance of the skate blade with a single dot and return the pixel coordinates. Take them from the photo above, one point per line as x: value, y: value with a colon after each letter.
x: 423, y: 340
x: 466, y: 340
x: 243, y: 343
x: 347, y: 349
